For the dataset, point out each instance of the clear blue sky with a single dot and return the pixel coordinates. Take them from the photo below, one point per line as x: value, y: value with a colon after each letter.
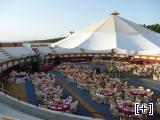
x: 40, y: 19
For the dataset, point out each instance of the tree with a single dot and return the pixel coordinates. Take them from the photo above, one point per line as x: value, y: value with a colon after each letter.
x: 71, y: 32
x: 154, y: 27
x: 49, y: 40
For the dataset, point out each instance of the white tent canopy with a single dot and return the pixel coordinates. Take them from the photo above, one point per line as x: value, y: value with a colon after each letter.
x: 111, y: 33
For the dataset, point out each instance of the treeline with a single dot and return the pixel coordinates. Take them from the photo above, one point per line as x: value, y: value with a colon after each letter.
x: 154, y: 27
x: 49, y: 40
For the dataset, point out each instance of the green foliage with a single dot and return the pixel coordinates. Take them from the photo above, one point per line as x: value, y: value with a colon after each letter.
x: 109, y: 71
x: 115, y: 70
x: 49, y: 40
x: 154, y: 27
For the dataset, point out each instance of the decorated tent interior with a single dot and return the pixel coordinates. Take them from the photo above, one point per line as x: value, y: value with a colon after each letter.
x: 99, y: 72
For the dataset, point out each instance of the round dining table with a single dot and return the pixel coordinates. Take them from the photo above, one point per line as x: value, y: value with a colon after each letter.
x: 106, y: 92
x: 85, y: 82
x: 126, y: 107
x: 21, y: 74
x: 137, y: 92
x: 132, y: 87
x: 39, y: 75
x: 44, y: 81
x: 50, y: 90
x: 60, y: 105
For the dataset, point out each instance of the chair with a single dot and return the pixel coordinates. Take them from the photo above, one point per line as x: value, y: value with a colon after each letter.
x: 115, y: 112
x: 45, y: 101
x: 60, y: 93
x: 38, y: 95
x: 138, y: 99
x: 115, y: 90
x: 112, y: 106
x: 100, y: 98
x: 53, y: 81
x: 93, y: 95
x: 155, y: 77
x: 150, y: 94
x: 56, y: 97
x: 146, y: 99
x: 127, y: 99
x: 69, y: 99
x: 141, y: 88
x: 126, y: 94
x: 158, y: 107
x: 58, y: 87
x: 117, y: 94
x: 84, y: 87
x: 148, y: 90
x: 74, y: 106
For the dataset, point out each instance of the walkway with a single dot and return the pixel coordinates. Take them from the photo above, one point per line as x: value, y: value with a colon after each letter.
x: 31, y: 97
x: 97, y: 110
x: 138, y: 81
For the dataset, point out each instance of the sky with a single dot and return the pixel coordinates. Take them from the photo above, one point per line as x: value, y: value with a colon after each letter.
x: 44, y: 19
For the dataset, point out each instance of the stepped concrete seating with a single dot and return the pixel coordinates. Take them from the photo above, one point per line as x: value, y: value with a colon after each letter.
x: 4, y: 117
x: 19, y: 51
x: 3, y: 57
x: 44, y: 50
x: 9, y: 113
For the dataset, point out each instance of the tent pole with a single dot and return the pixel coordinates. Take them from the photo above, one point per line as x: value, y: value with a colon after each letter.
x: 112, y: 58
